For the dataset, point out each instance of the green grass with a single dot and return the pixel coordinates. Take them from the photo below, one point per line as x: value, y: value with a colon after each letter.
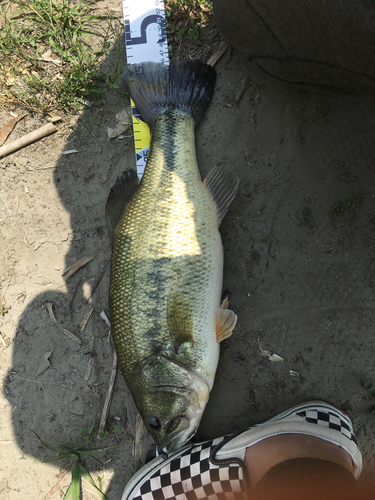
x: 76, y: 41
x: 347, y: 208
x: 76, y: 455
x: 185, y: 17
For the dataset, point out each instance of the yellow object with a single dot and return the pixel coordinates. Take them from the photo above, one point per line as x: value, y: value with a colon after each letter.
x: 141, y: 131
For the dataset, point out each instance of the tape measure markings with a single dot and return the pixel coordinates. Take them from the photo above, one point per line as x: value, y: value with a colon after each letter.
x: 145, y: 40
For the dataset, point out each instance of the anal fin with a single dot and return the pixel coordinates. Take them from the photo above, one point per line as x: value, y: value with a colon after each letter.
x: 225, y: 321
x: 221, y: 184
x: 119, y: 197
x: 225, y: 303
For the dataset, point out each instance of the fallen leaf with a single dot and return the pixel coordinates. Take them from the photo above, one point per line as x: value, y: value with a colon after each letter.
x: 70, y: 151
x: 48, y: 53
x: 8, y: 127
x: 105, y: 319
x: 123, y: 116
x: 48, y: 57
x: 53, y: 119
x: 118, y: 130
x: 275, y: 358
x: 74, y: 267
x: 44, y: 364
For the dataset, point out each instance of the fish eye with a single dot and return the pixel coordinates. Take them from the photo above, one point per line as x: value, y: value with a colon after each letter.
x: 154, y: 423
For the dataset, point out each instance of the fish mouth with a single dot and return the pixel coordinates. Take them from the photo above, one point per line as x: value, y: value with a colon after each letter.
x: 177, y: 440
x: 190, y: 421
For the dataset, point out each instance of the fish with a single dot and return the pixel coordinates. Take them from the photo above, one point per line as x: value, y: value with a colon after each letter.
x: 167, y: 256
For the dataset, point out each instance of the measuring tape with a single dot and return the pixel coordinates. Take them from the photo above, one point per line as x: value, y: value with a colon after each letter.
x: 145, y: 40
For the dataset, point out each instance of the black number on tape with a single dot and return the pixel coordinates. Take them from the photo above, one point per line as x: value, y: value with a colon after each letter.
x: 159, y: 20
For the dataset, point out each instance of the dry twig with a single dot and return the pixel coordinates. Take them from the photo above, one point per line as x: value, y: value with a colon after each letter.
x: 77, y: 265
x: 108, y: 397
x: 215, y: 57
x: 27, y: 139
x: 72, y: 336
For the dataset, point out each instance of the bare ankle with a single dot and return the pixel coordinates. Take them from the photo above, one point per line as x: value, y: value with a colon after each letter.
x: 262, y: 456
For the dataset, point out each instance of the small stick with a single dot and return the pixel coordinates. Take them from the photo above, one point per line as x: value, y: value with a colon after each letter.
x: 215, y: 57
x: 49, y: 307
x: 77, y: 265
x: 88, y: 369
x: 108, y: 396
x: 242, y: 89
x: 72, y: 299
x: 96, y: 284
x: 137, y: 445
x: 61, y: 482
x: 72, y: 336
x: 27, y: 139
x: 85, y: 319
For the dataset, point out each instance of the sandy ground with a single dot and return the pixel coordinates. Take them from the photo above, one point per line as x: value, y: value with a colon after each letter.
x: 300, y: 273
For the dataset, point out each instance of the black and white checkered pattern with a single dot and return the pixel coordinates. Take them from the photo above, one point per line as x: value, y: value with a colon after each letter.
x: 192, y: 476
x: 335, y: 420
x: 197, y: 472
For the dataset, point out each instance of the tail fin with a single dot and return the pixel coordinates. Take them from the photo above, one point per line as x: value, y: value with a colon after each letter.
x: 184, y: 85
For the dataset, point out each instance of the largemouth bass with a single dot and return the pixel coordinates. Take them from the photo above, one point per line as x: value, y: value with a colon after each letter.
x: 167, y: 260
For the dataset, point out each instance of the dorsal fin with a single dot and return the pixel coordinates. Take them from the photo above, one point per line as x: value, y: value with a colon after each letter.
x: 221, y: 184
x: 119, y: 197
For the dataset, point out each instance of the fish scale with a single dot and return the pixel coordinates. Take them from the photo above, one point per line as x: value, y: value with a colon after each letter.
x: 169, y: 232
x: 167, y: 256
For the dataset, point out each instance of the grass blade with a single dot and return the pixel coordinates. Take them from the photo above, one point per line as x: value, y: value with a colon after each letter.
x: 68, y: 492
x: 88, y: 430
x: 89, y: 454
x: 76, y: 480
x: 50, y: 444
x: 90, y: 480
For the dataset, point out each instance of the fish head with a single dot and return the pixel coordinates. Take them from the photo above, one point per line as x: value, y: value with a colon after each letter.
x: 171, y: 401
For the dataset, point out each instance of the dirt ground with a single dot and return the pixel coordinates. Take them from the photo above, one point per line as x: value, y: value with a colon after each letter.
x: 299, y: 244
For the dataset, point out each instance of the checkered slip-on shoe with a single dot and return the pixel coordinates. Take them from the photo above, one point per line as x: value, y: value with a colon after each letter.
x: 315, y: 418
x: 189, y: 473
x: 215, y: 468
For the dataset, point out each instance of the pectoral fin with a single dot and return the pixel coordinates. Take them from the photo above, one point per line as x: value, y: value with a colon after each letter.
x: 118, y: 198
x: 221, y: 184
x: 180, y: 320
x: 225, y: 321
